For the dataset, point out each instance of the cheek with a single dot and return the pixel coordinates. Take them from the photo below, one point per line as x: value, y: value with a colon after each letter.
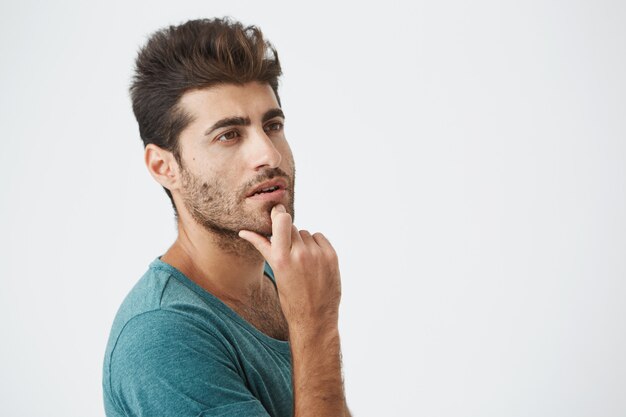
x: 285, y: 152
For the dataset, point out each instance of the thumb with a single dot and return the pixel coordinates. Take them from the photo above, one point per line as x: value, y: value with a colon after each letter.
x: 261, y: 243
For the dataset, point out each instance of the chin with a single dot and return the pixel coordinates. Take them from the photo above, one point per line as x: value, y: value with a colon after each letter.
x: 265, y: 231
x: 262, y: 225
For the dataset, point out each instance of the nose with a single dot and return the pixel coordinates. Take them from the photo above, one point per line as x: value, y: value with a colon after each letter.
x: 263, y: 152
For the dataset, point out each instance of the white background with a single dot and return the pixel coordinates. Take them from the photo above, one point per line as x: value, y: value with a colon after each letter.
x: 466, y: 159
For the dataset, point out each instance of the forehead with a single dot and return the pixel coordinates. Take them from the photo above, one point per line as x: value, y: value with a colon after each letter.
x: 227, y: 100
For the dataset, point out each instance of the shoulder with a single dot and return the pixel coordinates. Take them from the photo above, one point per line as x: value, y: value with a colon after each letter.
x: 154, y: 333
x: 171, y: 364
x: 159, y: 303
x: 161, y: 322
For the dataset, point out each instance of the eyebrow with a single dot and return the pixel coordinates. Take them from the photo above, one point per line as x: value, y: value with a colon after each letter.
x: 243, y: 121
x: 270, y: 114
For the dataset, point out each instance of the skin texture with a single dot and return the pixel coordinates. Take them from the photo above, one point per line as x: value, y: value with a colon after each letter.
x: 222, y: 241
x: 310, y: 290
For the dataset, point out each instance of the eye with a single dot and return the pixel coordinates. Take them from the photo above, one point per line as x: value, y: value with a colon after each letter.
x: 275, y: 126
x: 228, y: 136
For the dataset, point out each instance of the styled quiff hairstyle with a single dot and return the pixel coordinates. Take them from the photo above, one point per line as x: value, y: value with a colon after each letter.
x: 197, y: 54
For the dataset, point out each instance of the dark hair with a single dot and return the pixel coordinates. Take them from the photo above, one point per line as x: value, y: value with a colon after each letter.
x: 197, y: 54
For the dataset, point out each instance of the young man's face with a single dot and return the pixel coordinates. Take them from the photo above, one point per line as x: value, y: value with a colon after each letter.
x: 222, y: 166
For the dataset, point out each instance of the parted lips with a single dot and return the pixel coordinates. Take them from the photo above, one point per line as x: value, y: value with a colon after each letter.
x: 268, y: 186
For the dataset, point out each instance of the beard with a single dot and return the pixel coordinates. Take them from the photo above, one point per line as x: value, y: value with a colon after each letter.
x: 223, y: 212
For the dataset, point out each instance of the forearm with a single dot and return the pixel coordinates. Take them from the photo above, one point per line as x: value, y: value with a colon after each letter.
x: 308, y: 281
x: 317, y: 378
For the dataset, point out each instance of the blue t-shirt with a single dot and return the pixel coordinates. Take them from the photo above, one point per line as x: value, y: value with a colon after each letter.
x: 176, y: 350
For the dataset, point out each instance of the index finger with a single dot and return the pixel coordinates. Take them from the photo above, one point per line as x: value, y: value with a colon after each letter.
x: 281, y: 230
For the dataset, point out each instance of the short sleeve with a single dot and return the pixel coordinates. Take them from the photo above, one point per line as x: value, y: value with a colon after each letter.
x: 165, y: 364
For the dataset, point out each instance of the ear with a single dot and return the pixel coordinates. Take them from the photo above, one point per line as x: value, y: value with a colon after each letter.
x: 162, y: 166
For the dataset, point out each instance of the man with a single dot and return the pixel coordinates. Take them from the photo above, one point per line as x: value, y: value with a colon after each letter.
x: 239, y: 316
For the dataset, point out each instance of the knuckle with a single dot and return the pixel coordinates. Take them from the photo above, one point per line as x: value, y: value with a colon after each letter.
x: 301, y: 256
x: 330, y: 251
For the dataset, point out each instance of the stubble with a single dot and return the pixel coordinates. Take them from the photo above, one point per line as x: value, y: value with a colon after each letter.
x: 223, y: 212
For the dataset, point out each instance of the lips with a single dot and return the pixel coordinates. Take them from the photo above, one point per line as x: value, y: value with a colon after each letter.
x: 276, y: 182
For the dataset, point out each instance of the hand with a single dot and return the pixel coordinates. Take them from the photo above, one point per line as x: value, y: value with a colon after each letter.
x: 306, y: 269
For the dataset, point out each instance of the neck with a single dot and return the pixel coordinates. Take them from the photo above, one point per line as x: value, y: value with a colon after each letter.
x: 222, y: 263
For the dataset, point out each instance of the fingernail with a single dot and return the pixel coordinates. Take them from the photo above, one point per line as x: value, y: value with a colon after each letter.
x: 280, y: 207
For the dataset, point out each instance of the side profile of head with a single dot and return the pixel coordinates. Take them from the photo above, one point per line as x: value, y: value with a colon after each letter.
x: 205, y: 95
